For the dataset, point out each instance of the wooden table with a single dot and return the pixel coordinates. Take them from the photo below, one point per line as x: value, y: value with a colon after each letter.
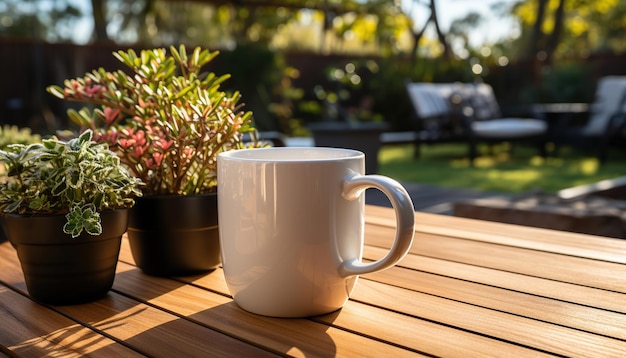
x: 468, y: 289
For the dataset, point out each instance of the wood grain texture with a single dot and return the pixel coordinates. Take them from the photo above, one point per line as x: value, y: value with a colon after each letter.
x: 431, y: 274
x: 367, y: 320
x: 560, y: 242
x: 142, y: 327
x: 595, y: 320
x: 29, y: 329
x: 216, y: 310
x: 607, y: 275
x: 417, y: 332
x: 500, y: 325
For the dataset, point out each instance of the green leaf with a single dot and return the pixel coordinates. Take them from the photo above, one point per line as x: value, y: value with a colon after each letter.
x: 196, y: 57
x: 56, y: 91
x: 52, y: 144
x: 93, y: 227
x: 12, y: 206
x: 183, y: 92
x: 85, y: 136
x: 60, y: 188
x: 81, y: 118
x: 80, y: 218
x: 179, y: 56
x: 73, y: 228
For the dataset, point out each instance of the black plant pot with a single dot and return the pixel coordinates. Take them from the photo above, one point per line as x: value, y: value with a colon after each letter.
x: 3, y: 235
x: 175, y: 235
x: 62, y: 270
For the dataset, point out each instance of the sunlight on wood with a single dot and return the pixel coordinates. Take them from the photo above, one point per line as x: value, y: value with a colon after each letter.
x: 295, y: 352
x: 149, y: 319
x: 72, y: 341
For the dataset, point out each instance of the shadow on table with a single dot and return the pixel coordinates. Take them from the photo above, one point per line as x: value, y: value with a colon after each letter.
x: 230, y: 327
x: 130, y: 313
x: 53, y: 335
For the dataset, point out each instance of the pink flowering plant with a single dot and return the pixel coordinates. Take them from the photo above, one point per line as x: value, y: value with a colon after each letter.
x: 165, y: 119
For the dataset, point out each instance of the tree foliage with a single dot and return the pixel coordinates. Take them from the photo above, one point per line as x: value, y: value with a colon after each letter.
x: 345, y: 26
x: 51, y: 21
x: 571, y: 27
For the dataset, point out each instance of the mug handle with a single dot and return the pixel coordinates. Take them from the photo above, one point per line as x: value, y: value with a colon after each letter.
x: 354, y: 185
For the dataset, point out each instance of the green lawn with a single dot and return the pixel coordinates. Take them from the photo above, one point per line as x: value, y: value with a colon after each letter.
x: 504, y: 171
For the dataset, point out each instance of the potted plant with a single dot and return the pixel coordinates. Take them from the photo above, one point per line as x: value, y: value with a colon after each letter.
x: 11, y: 134
x: 167, y: 120
x: 64, y: 206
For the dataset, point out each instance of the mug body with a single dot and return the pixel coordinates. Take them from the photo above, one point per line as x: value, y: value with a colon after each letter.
x: 285, y: 228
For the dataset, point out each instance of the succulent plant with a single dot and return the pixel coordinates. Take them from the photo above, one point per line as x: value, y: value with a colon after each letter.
x: 164, y: 117
x: 78, y: 178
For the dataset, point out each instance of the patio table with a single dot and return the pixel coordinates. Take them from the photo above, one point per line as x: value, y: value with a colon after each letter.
x: 468, y: 288
x: 560, y: 116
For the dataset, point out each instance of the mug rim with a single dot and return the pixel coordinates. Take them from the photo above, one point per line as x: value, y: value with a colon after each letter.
x: 260, y: 154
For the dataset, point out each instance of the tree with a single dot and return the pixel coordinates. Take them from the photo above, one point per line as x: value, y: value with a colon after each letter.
x: 571, y: 27
x: 541, y: 44
x: 432, y: 19
x: 99, y: 20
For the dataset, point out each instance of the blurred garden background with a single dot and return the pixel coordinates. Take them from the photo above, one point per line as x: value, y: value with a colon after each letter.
x: 297, y: 61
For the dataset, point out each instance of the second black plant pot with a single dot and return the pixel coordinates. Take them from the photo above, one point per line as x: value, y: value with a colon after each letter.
x: 175, y: 235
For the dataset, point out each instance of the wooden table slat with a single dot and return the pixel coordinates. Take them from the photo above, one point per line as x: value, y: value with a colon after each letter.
x: 32, y: 330
x: 592, y: 319
x: 147, y: 329
x: 440, y: 340
x: 221, y: 313
x: 585, y: 272
x: 501, y: 325
x: 510, y: 281
x: 582, y: 271
x: 386, y: 327
x: 560, y: 242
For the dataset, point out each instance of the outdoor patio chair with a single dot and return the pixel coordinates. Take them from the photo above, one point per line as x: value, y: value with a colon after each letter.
x: 467, y: 112
x: 605, y: 124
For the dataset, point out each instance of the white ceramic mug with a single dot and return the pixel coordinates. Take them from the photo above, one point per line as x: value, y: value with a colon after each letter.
x: 291, y: 227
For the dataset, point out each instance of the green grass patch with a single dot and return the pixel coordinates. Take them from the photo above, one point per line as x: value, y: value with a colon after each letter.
x: 499, y: 170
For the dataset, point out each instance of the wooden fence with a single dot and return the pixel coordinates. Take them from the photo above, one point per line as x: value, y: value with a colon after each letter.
x: 27, y: 67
